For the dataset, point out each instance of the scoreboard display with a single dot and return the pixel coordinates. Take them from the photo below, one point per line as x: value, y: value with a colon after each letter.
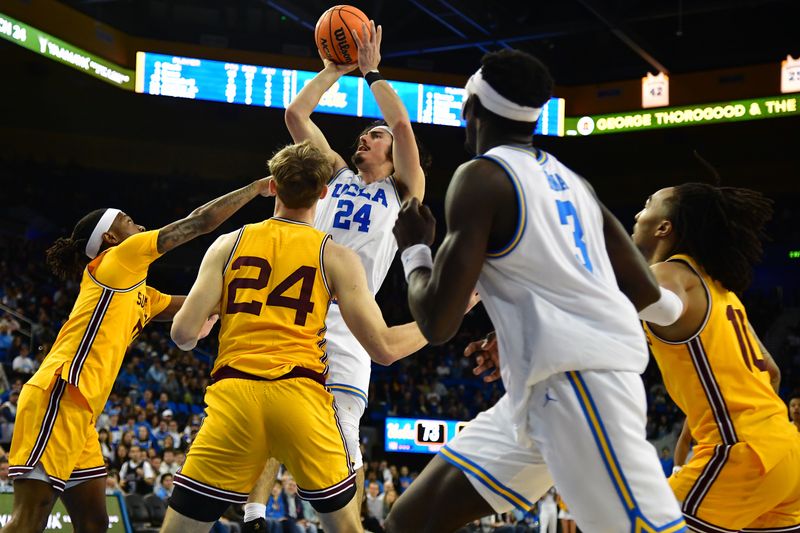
x: 236, y: 83
x: 419, y: 435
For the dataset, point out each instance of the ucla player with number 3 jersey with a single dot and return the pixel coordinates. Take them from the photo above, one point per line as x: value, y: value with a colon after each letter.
x: 358, y: 212
x: 744, y: 475
x: 561, y: 282
x: 275, y: 281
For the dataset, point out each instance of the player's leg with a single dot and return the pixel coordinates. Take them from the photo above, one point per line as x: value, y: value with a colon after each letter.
x: 86, y: 505
x: 345, y: 520
x: 255, y: 509
x: 85, y: 492
x: 349, y: 410
x: 480, y: 472
x: 308, y: 439
x: 225, y: 459
x: 33, y: 501
x: 440, y: 499
x: 49, y: 439
x: 590, y: 427
x: 175, y: 522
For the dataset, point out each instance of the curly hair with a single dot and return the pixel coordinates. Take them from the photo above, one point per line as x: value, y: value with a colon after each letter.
x: 67, y: 256
x: 722, y: 228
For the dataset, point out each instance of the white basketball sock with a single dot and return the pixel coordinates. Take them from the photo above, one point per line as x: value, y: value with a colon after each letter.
x: 254, y: 511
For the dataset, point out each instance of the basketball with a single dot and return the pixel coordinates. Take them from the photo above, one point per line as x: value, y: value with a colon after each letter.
x: 333, y: 33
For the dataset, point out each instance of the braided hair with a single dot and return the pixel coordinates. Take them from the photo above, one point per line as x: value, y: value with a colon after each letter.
x: 67, y: 256
x: 722, y: 228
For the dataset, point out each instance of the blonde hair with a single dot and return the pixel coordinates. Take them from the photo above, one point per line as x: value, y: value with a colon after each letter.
x: 300, y: 171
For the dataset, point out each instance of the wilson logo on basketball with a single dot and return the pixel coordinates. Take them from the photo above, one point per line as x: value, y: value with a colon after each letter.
x: 344, y: 46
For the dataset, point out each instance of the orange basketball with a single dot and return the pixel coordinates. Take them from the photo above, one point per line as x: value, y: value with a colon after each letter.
x: 333, y: 33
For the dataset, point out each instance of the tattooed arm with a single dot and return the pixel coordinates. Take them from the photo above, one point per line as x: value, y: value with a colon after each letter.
x: 208, y: 217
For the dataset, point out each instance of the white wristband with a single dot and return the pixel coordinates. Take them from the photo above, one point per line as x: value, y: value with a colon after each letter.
x: 676, y: 469
x: 416, y: 256
x: 666, y: 311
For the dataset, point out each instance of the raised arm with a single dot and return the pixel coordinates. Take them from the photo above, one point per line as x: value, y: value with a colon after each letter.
x: 405, y: 154
x: 190, y: 322
x: 634, y: 277
x: 208, y: 217
x: 363, y: 317
x: 437, y: 297
x: 298, y: 113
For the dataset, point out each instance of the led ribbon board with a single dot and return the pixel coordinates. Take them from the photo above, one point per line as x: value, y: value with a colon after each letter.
x: 48, y: 46
x: 418, y: 435
x: 674, y: 117
x: 236, y: 83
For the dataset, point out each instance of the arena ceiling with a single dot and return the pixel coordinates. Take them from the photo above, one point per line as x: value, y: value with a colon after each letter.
x: 583, y: 41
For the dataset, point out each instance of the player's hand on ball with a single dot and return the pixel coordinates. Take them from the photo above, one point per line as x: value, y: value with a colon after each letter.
x: 334, y: 67
x: 206, y: 329
x: 369, y: 46
x: 487, y: 357
x: 415, y: 225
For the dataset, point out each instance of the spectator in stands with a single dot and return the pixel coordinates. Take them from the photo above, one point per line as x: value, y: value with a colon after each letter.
x: 168, y: 462
x: 112, y: 483
x: 120, y: 457
x: 173, y: 430
x: 6, y: 339
x: 156, y: 373
x: 8, y: 417
x: 667, y: 462
x: 165, y: 405
x: 164, y: 486
x: 375, y: 502
x: 296, y: 522
x: 276, y: 509
x: 24, y: 363
x: 143, y: 438
x: 105, y: 444
x: 389, y: 497
x: 405, y: 479
x: 794, y: 410
x: 5, y: 483
x: 136, y: 475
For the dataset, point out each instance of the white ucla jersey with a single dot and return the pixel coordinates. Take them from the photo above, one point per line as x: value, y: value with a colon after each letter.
x: 551, y: 291
x: 360, y: 216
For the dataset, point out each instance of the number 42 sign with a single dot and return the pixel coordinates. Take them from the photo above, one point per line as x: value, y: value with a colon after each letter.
x: 790, y: 75
x: 655, y: 90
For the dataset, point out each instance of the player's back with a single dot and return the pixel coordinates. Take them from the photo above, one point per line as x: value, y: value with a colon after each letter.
x: 275, y: 299
x: 718, y: 377
x: 551, y: 291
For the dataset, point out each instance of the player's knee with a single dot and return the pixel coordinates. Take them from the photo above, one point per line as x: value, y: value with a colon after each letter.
x: 92, y: 521
x: 324, y: 503
x: 197, y: 506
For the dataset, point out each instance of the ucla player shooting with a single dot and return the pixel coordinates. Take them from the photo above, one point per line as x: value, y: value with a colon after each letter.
x: 358, y: 212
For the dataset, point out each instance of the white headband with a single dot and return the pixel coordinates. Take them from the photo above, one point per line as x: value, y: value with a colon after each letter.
x: 497, y: 103
x: 103, y: 225
x: 387, y: 129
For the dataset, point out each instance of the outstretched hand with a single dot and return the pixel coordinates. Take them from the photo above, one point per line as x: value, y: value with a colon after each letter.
x: 415, y: 225
x: 369, y: 46
x: 487, y: 357
x: 336, y: 67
